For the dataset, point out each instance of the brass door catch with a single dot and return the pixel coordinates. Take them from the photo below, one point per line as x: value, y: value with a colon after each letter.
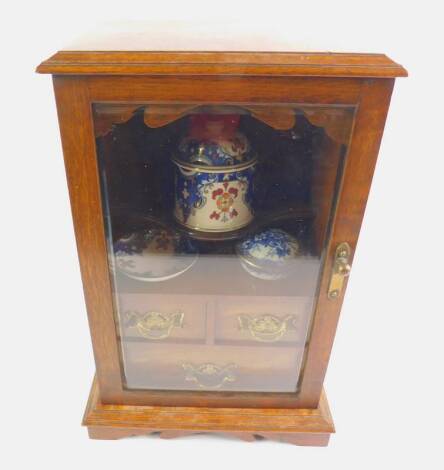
x: 341, y: 269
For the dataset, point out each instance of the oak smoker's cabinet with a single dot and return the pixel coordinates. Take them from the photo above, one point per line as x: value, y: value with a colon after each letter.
x: 217, y: 199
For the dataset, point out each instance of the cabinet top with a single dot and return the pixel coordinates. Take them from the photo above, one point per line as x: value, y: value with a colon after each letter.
x: 212, y: 49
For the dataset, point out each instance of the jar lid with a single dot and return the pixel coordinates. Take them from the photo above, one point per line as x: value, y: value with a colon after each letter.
x: 270, y: 247
x: 215, y: 141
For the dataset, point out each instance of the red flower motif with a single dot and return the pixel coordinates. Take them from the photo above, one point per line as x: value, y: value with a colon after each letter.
x: 217, y: 192
x: 225, y: 200
x: 233, y: 191
x: 162, y: 241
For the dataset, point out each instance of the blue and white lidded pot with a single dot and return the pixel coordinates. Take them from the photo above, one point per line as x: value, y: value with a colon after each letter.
x: 269, y: 255
x: 214, y: 169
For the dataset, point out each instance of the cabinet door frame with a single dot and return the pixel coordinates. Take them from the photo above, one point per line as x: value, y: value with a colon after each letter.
x: 75, y: 96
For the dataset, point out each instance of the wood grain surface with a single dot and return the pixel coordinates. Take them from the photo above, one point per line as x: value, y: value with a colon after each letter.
x: 82, y: 79
x: 225, y: 63
x: 297, y: 426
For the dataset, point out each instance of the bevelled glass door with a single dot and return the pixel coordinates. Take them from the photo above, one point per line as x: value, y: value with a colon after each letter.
x: 217, y: 218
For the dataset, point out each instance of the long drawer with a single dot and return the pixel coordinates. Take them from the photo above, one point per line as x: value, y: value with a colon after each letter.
x: 165, y: 366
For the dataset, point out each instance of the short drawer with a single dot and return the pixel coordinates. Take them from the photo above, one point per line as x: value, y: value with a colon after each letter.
x: 162, y: 317
x: 200, y: 367
x: 272, y: 320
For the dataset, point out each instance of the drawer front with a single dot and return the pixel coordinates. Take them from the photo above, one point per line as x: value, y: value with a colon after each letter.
x: 200, y: 367
x: 162, y: 317
x: 272, y: 320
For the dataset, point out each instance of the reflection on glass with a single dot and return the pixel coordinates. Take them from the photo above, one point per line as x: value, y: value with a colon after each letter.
x: 216, y: 222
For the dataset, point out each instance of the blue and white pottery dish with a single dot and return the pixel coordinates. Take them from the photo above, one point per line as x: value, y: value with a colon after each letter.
x: 269, y: 255
x: 214, y: 184
x: 154, y: 254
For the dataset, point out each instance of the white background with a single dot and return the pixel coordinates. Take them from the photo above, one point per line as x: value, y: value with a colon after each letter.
x: 385, y: 378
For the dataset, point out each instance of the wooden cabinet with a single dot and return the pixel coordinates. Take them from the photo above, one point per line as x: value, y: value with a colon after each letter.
x: 217, y: 199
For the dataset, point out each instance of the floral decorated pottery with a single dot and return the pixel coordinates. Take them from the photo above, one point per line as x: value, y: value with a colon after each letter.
x: 214, y: 175
x: 269, y: 255
x: 154, y: 254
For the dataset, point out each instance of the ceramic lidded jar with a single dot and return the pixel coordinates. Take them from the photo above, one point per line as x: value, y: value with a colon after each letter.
x: 214, y: 167
x: 269, y: 255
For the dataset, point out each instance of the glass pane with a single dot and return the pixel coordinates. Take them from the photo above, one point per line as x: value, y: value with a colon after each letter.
x: 216, y: 222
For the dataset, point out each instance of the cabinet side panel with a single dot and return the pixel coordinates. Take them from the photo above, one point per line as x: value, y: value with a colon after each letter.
x: 74, y: 112
x: 359, y: 167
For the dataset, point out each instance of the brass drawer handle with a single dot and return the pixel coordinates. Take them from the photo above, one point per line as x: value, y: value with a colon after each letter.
x: 341, y: 269
x: 209, y: 375
x: 267, y: 327
x: 154, y: 325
